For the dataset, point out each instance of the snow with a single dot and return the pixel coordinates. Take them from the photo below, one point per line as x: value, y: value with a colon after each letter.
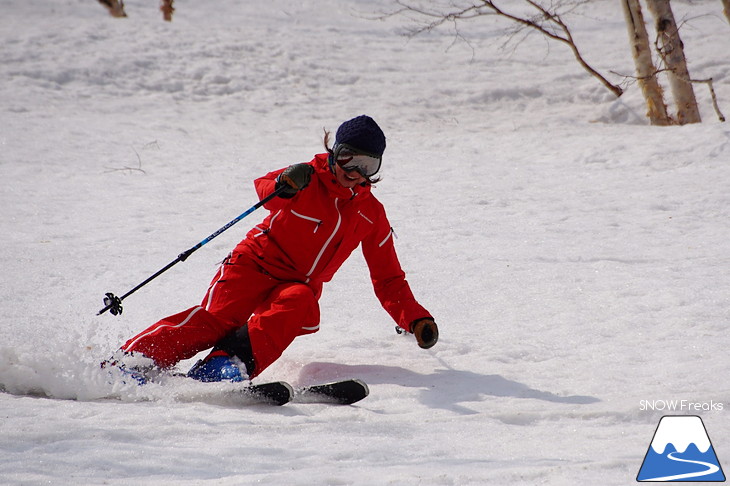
x: 574, y: 257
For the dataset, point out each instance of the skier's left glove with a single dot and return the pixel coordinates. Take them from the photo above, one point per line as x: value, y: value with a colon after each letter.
x: 426, y: 332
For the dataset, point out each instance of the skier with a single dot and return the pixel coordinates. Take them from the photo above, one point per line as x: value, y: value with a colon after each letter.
x: 266, y: 291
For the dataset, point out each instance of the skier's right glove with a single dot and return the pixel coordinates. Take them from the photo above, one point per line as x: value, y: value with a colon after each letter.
x: 294, y: 178
x: 426, y: 332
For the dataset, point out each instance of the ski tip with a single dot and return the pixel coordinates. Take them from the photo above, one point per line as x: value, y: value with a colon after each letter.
x: 365, y: 388
x: 344, y: 392
x: 352, y: 391
x: 276, y: 393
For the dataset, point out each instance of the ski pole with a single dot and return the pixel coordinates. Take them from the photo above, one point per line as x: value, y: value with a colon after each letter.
x: 113, y: 304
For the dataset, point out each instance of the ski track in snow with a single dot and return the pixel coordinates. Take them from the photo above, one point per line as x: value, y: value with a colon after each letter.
x: 574, y: 257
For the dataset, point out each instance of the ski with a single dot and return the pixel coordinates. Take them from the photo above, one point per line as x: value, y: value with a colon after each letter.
x: 273, y: 393
x: 345, y: 392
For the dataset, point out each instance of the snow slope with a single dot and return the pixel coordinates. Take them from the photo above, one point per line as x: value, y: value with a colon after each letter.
x: 575, y: 258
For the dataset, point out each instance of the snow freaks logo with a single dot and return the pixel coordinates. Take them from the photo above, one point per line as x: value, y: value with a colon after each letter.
x: 681, y: 451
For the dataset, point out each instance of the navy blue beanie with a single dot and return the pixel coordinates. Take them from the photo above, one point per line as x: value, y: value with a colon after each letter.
x: 362, y: 133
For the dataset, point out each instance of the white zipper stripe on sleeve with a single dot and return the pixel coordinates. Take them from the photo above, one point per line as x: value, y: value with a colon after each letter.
x: 263, y: 231
x: 329, y: 240
x: 386, y: 238
x: 311, y: 328
x: 365, y: 217
x: 271, y: 223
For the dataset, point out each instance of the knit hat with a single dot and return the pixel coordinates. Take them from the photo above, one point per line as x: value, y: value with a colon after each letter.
x: 362, y: 133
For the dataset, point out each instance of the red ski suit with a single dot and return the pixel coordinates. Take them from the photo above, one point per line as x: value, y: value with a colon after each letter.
x: 273, y: 278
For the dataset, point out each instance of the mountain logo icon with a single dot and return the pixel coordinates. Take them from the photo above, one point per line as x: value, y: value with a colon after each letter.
x: 681, y: 451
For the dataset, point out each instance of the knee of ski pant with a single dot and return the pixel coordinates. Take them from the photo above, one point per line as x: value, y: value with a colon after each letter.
x: 305, y: 298
x: 294, y: 303
x: 292, y: 311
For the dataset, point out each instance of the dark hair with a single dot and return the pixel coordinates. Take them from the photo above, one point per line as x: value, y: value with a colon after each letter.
x: 326, y: 141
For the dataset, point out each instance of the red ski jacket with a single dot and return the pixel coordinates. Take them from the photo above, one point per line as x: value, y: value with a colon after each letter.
x: 308, y: 237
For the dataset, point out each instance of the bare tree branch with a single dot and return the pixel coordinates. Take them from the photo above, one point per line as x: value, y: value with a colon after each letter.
x: 708, y: 82
x: 167, y: 9
x: 115, y: 7
x: 127, y: 168
x: 546, y: 21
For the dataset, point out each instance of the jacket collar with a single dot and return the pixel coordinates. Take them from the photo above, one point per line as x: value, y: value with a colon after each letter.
x: 328, y: 180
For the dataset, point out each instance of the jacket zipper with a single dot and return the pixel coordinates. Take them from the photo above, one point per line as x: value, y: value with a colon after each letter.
x: 317, y: 222
x: 326, y: 243
x: 365, y: 217
x: 263, y: 231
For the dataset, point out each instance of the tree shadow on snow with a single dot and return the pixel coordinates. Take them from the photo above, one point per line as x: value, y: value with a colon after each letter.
x: 444, y: 388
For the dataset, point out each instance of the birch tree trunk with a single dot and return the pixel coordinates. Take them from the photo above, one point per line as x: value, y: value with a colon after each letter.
x: 671, y: 49
x: 645, y: 70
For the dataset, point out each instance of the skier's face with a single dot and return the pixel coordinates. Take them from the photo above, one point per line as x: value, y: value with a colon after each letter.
x: 349, y: 179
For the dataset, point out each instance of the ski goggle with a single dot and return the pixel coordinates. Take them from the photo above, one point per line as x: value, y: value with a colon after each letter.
x: 350, y: 158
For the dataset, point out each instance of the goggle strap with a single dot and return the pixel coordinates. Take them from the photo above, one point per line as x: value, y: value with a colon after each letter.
x: 338, y: 148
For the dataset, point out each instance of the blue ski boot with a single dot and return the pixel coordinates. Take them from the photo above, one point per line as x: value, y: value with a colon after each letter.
x: 130, y: 368
x: 218, y: 366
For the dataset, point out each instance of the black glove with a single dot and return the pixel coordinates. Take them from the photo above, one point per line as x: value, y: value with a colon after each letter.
x: 295, y: 178
x: 426, y: 332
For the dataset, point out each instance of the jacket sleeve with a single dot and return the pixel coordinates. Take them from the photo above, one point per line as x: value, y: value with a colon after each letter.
x: 265, y: 185
x: 389, y: 279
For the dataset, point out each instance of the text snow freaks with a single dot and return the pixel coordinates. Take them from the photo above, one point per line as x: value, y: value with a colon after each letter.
x: 680, y: 406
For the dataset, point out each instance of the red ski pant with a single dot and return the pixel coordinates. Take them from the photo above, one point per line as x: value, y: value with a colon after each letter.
x: 281, y: 311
